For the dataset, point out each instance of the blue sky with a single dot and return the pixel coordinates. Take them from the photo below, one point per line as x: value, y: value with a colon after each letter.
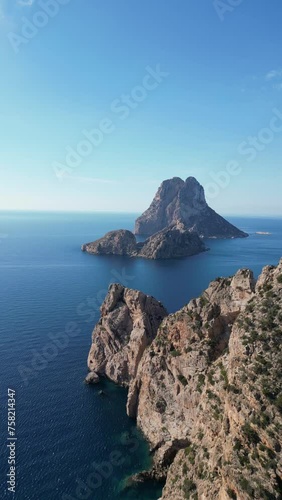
x: 220, y: 101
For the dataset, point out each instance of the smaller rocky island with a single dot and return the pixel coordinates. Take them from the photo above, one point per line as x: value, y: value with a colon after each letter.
x: 173, y: 242
x: 119, y: 242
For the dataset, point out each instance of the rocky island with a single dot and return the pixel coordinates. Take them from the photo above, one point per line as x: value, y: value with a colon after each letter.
x: 184, y: 201
x: 172, y: 242
x: 204, y: 384
x: 175, y: 222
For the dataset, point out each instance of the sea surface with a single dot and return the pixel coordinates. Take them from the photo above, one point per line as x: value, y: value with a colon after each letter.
x: 72, y: 442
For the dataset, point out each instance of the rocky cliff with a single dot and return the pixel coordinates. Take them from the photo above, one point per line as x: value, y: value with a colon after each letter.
x: 173, y: 242
x: 179, y: 201
x: 129, y: 323
x: 207, y: 390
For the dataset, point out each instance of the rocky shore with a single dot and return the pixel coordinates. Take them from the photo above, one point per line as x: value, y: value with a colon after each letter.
x: 204, y: 384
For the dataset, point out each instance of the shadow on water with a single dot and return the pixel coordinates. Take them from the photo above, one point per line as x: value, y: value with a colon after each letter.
x: 131, y: 452
x: 151, y: 490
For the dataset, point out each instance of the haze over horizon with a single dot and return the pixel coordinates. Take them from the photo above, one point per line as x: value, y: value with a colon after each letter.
x: 128, y: 95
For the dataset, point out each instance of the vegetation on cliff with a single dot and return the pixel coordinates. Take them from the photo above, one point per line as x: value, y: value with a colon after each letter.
x: 207, y: 391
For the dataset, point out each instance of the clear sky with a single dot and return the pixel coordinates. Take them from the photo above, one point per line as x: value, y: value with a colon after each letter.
x: 164, y: 88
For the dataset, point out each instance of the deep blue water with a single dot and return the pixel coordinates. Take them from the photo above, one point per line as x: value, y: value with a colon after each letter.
x: 49, y: 287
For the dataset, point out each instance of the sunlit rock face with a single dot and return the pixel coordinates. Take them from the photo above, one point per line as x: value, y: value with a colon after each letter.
x: 184, y: 202
x: 128, y: 324
x: 204, y: 384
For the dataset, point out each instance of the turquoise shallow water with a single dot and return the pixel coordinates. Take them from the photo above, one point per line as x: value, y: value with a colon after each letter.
x: 70, y: 437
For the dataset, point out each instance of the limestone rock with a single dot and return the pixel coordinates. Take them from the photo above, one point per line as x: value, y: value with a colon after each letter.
x: 173, y: 242
x: 212, y: 376
x: 92, y: 378
x: 129, y: 323
x: 205, y: 384
x: 179, y: 201
x: 119, y: 242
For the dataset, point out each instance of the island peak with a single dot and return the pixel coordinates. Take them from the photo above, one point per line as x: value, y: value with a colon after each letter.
x: 184, y: 201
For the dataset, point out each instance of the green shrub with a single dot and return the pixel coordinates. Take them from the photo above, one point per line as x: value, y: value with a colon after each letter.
x: 188, y: 487
x: 234, y: 389
x: 244, y: 459
x: 210, y: 377
x: 245, y: 486
x: 237, y: 445
x: 190, y: 453
x: 161, y: 405
x: 201, y: 381
x: 217, y: 414
x: 223, y: 375
x: 231, y: 494
x: 175, y: 353
x: 188, y: 349
x: 250, y: 433
x: 203, y: 301
x: 200, y: 435
x: 182, y: 380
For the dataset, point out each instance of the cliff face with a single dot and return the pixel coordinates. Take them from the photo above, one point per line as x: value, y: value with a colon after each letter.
x: 179, y: 201
x: 129, y: 323
x: 234, y: 448
x: 207, y: 392
x: 160, y: 213
x: 172, y: 242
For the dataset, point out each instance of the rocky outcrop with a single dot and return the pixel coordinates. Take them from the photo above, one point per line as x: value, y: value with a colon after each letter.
x: 173, y: 242
x: 205, y: 321
x: 207, y: 391
x: 92, y: 378
x: 119, y: 242
x: 179, y: 201
x: 129, y: 323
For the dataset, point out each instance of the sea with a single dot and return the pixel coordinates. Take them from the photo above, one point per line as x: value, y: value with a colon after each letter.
x: 67, y: 440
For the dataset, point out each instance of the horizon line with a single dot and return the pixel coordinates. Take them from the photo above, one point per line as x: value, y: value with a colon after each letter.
x: 22, y: 210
